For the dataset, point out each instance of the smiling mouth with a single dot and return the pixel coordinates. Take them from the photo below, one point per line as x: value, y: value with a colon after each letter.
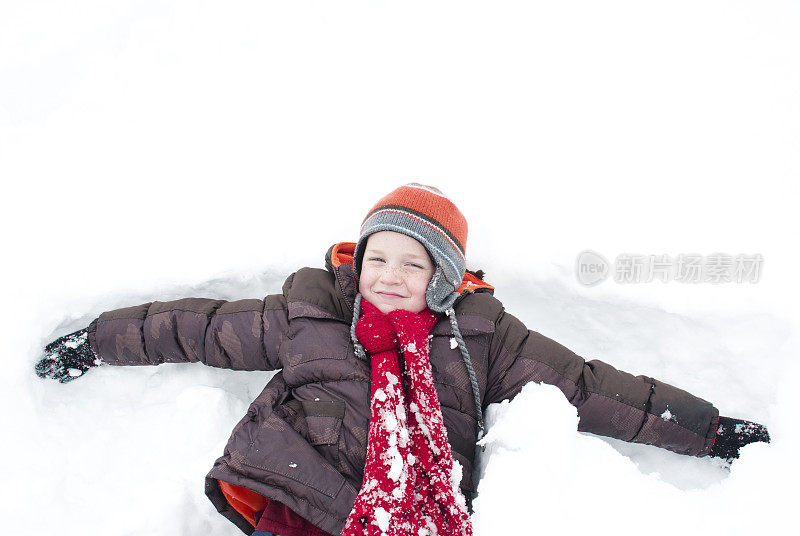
x: 389, y: 295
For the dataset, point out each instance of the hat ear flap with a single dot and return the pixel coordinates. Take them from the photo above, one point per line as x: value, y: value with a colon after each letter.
x: 440, y: 294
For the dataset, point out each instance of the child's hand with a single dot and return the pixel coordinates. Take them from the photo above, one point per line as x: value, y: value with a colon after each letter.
x: 733, y: 434
x: 67, y: 357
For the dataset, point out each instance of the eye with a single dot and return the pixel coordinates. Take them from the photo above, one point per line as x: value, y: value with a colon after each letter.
x: 376, y: 259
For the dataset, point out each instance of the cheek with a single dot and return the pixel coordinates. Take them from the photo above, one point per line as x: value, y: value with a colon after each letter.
x: 419, y: 286
x: 366, y: 279
x: 362, y: 280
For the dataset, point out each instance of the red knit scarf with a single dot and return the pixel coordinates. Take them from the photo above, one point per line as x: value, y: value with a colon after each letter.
x: 409, y: 486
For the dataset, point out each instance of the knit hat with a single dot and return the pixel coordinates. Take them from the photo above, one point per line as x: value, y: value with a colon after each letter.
x: 427, y: 215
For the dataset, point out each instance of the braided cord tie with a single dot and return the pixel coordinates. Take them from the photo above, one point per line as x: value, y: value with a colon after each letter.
x: 468, y: 363
x: 359, y: 350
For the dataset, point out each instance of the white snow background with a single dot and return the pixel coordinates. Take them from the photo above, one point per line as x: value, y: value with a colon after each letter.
x: 155, y: 150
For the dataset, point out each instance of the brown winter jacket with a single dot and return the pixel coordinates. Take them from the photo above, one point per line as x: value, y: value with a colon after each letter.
x: 303, y: 441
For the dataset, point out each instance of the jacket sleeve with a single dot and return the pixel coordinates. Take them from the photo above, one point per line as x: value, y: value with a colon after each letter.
x: 238, y: 335
x: 610, y: 402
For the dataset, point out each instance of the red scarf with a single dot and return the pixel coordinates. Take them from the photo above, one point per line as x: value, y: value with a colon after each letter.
x: 409, y: 487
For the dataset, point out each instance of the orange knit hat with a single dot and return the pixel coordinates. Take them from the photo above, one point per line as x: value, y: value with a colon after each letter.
x: 427, y: 215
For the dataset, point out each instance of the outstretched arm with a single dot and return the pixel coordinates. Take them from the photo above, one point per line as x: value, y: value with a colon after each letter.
x: 238, y: 335
x: 611, y: 402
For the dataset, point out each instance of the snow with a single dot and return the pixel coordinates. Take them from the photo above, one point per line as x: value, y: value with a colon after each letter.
x: 382, y: 517
x: 155, y: 150
x: 76, y: 341
x: 395, y: 463
x: 389, y: 420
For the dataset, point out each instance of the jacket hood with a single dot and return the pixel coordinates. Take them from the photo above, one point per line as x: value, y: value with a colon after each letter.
x: 339, y: 261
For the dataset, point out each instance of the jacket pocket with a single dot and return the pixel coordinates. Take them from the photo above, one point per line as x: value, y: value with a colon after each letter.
x: 280, y: 456
x: 323, y: 425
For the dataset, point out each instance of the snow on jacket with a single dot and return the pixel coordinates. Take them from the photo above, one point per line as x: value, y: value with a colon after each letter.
x: 303, y: 441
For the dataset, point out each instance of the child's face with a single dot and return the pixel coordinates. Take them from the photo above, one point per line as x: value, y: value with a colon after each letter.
x: 395, y: 272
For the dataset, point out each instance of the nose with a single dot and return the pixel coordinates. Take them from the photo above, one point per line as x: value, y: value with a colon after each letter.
x: 391, y: 276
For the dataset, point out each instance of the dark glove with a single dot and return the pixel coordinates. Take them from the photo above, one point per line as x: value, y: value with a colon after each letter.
x: 67, y: 357
x: 733, y: 434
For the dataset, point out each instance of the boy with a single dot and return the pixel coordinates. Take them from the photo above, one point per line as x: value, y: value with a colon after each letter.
x: 387, y: 360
